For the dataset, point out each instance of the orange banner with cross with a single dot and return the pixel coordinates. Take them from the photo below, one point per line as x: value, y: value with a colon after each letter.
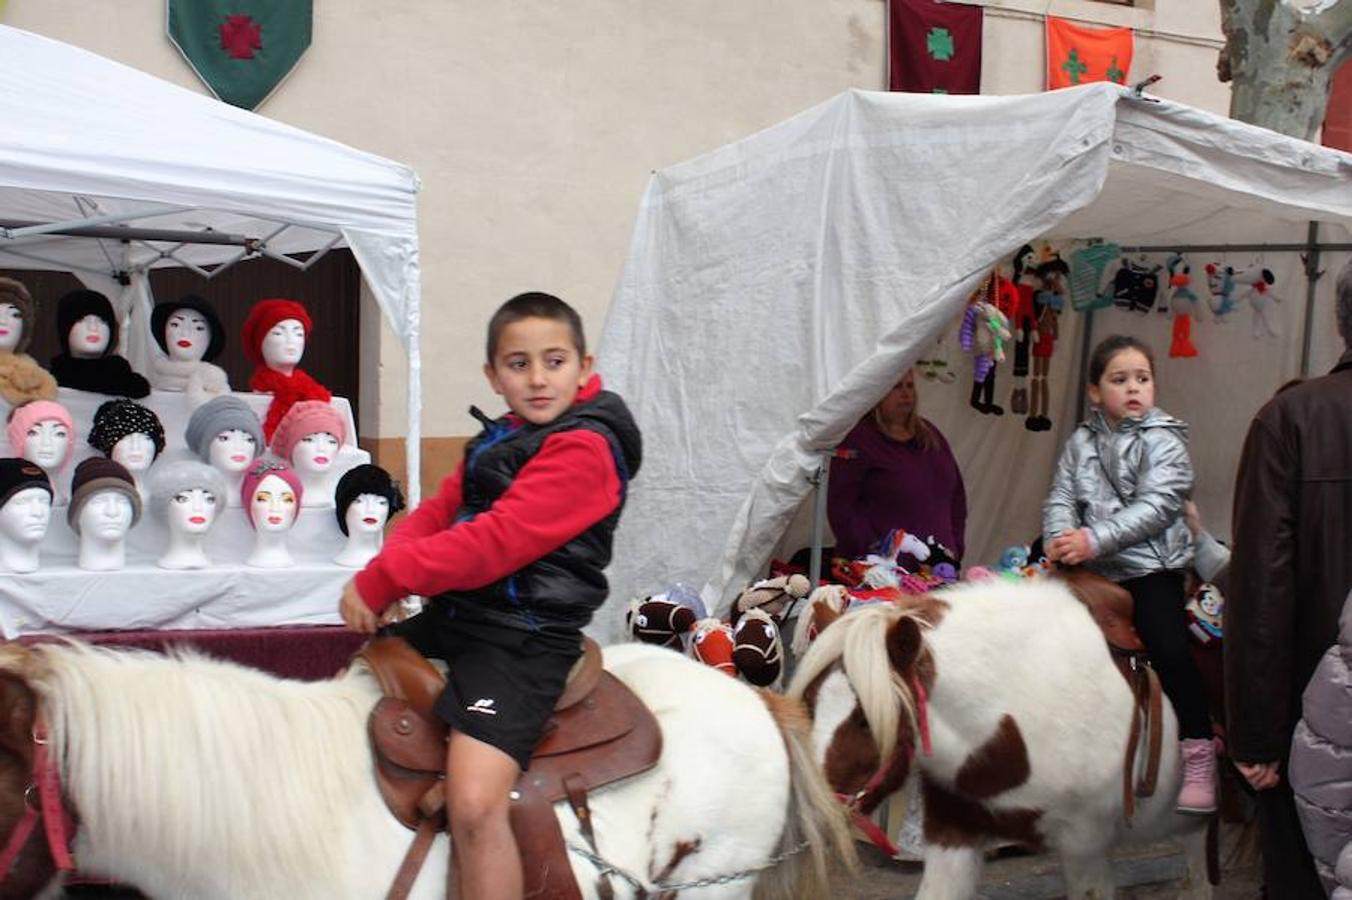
x: 1079, y: 55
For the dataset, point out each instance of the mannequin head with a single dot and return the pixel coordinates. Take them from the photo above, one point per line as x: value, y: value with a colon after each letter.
x: 86, y: 324
x: 42, y: 431
x: 365, y: 493
x: 25, y: 502
x: 104, y: 499
x: 275, y: 333
x: 271, y: 493
x: 187, y: 329
x: 309, y: 436
x: 222, y: 430
x: 128, y: 432
x: 188, y: 495
x: 16, y: 323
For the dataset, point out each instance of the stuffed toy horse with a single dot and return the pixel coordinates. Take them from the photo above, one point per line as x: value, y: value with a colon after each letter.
x: 1184, y: 305
x: 881, y: 569
x: 757, y: 648
x: 658, y: 620
x: 772, y: 595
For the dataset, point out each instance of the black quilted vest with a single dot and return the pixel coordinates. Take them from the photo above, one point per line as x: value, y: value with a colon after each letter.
x: 557, y: 594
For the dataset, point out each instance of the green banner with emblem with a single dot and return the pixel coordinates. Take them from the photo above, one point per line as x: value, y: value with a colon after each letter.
x: 241, y: 49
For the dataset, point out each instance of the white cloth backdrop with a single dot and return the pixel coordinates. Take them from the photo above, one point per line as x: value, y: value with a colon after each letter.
x: 777, y: 286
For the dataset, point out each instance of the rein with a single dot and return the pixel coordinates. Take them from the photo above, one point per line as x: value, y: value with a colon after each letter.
x: 863, y: 801
x: 58, y: 823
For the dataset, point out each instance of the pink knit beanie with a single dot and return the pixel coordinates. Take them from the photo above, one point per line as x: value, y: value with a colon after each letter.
x: 306, y: 417
x: 26, y: 416
x: 261, y: 469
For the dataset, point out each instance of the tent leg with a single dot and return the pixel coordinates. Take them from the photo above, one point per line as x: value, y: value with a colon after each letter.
x: 1086, y: 347
x: 1312, y: 274
x: 818, y: 479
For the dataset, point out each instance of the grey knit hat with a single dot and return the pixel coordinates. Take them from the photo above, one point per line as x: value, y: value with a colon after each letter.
x: 16, y: 292
x: 222, y: 414
x: 173, y: 477
x: 98, y: 474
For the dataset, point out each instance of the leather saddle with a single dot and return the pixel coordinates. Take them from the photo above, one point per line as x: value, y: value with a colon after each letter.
x: 600, y: 732
x: 1111, y: 606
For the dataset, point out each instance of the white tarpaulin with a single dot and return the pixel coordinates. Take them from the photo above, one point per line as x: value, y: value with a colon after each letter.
x: 776, y: 287
x: 88, y: 141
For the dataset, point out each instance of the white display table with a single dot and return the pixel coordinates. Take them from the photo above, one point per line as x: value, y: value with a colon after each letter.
x: 63, y: 598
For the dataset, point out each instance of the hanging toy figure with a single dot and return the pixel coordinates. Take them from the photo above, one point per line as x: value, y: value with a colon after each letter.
x: 1255, y: 285
x: 1184, y: 305
x: 1023, y: 321
x: 985, y: 329
x: 1053, y: 276
x: 1135, y: 286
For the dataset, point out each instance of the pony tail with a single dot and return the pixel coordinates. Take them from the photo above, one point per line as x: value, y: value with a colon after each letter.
x: 815, y: 817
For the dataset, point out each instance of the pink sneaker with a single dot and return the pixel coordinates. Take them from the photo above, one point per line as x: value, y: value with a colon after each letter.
x: 1198, y: 796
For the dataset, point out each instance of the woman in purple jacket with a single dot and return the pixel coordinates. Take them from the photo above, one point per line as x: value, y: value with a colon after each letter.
x: 894, y: 470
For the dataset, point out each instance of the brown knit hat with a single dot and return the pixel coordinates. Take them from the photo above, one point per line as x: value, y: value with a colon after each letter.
x: 97, y: 474
x: 15, y: 292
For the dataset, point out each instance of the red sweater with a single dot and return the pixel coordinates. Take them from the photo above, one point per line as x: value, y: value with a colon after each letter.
x: 567, y: 487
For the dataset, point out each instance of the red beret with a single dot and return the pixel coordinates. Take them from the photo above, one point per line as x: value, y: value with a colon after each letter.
x: 264, y: 315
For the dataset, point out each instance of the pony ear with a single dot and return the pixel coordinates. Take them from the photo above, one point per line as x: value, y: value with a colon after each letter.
x: 903, y: 643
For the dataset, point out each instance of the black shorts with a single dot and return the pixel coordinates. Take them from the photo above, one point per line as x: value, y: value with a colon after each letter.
x: 502, y: 683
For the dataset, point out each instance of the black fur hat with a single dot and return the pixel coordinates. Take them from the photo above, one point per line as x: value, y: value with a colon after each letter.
x: 159, y: 317
x: 365, y: 479
x: 75, y: 306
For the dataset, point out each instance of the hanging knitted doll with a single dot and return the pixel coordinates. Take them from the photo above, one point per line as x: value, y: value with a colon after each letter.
x: 1053, y: 276
x: 274, y: 336
x: 1023, y: 322
x: 1255, y: 285
x: 1183, y: 304
x: 983, y: 333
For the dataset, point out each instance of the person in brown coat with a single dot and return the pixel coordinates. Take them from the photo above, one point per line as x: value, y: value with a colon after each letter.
x: 1291, y: 570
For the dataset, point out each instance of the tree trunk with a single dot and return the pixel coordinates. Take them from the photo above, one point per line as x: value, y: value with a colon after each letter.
x: 1282, y: 60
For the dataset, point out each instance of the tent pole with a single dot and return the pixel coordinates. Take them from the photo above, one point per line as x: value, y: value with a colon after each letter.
x: 1086, y: 347
x: 413, y: 433
x: 818, y: 479
x: 1312, y: 273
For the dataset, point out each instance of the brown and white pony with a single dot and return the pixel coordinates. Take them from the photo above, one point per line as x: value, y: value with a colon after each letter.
x: 1003, y: 700
x: 191, y: 777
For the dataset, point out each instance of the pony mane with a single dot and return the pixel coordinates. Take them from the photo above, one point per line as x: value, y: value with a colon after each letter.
x: 858, y: 642
x: 179, y: 764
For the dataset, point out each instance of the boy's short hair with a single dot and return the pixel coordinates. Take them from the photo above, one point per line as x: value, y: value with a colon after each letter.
x: 535, y: 305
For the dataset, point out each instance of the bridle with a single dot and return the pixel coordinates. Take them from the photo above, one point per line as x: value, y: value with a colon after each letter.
x: 42, y: 800
x: 863, y: 801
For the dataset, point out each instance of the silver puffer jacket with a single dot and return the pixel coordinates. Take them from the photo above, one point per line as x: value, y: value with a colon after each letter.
x: 1127, y: 484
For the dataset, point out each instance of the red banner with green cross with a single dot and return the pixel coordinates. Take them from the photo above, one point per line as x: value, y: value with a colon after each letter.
x: 1079, y: 55
x: 934, y: 48
x: 241, y: 49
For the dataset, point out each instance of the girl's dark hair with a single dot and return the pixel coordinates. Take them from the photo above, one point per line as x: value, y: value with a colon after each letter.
x: 535, y: 305
x: 1110, y: 347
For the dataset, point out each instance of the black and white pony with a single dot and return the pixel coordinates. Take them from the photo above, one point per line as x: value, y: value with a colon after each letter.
x: 191, y: 777
x: 1003, y: 699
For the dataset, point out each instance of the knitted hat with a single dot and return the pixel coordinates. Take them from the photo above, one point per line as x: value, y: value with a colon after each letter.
x: 159, y: 317
x: 96, y: 474
x: 261, y: 469
x: 19, y: 475
x: 365, y: 479
x: 306, y: 417
x: 25, y: 417
x: 264, y: 315
x: 115, y: 419
x: 16, y: 293
x: 219, y: 414
x: 169, y: 479
x: 75, y: 306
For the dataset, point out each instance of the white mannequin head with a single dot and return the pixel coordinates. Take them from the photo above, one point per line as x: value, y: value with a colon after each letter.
x: 106, y: 516
x: 284, y: 345
x: 367, y: 514
x: 314, y: 453
x: 232, y: 450
x: 48, y: 444
x: 274, y: 505
x: 89, y: 337
x: 24, y: 517
x: 192, y: 511
x: 187, y: 335
x: 189, y: 495
x: 136, y: 451
x: 11, y: 327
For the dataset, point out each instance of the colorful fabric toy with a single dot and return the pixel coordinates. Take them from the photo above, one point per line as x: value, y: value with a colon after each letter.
x: 1053, y: 275
x: 1184, y: 305
x: 882, y: 569
x: 1135, y: 286
x: 1206, y: 614
x: 712, y: 643
x: 1221, y: 281
x: 773, y: 595
x: 758, y: 648
x: 657, y: 620
x: 1023, y: 319
x: 1087, y: 266
x: 983, y: 333
x: 943, y: 565
x: 1256, y: 287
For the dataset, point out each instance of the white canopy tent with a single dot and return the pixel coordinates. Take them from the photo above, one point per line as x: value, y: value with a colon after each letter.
x: 776, y: 287
x: 91, y: 145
